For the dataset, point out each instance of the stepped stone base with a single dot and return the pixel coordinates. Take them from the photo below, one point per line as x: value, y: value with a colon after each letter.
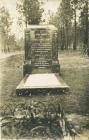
x: 50, y: 83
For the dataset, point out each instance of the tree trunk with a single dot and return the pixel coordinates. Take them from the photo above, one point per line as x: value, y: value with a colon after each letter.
x: 75, y: 25
x: 26, y: 22
x: 66, y: 36
x: 63, y: 40
x: 86, y: 32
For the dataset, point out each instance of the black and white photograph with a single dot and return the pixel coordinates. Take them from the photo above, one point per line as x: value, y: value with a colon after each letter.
x: 44, y: 69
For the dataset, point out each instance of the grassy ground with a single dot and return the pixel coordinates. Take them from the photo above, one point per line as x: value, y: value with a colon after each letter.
x: 74, y: 71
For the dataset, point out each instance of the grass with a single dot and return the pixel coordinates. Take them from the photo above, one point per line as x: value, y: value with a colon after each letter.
x: 75, y: 71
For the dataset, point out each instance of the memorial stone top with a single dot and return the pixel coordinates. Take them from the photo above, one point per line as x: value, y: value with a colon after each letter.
x: 51, y: 27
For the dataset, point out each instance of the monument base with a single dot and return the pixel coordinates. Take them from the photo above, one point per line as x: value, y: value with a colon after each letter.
x: 48, y: 83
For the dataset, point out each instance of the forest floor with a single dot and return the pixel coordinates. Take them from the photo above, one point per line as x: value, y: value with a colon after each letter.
x: 74, y: 71
x: 8, y: 54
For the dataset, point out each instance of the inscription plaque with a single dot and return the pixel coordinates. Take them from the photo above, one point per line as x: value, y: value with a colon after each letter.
x: 41, y: 49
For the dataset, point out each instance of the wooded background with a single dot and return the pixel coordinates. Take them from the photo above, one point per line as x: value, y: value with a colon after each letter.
x: 71, y: 19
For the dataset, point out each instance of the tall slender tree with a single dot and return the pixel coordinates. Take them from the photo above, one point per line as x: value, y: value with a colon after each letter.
x: 84, y: 24
x: 76, y: 6
x: 5, y: 23
x: 30, y: 10
x: 63, y: 22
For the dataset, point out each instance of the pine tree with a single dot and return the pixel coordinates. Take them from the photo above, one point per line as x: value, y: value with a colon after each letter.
x: 5, y: 24
x: 30, y: 10
x: 64, y: 18
x: 84, y: 24
x: 76, y: 6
